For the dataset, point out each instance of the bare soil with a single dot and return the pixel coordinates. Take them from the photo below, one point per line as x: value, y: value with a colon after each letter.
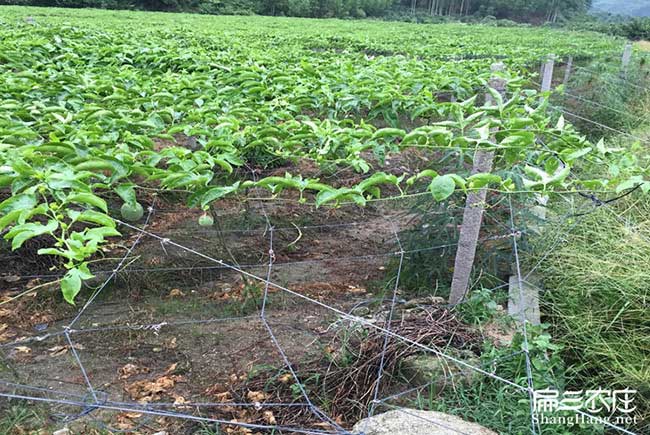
x: 157, y: 334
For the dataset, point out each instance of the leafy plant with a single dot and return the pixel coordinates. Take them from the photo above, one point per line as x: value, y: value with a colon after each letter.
x: 102, y: 109
x: 490, y: 403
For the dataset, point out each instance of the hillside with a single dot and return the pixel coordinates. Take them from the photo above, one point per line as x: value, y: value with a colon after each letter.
x: 637, y: 8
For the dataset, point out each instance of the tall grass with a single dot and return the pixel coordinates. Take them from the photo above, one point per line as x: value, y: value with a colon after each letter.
x: 599, y: 93
x: 598, y: 301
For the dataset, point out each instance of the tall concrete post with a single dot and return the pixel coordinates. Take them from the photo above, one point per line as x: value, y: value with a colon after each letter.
x: 474, y: 209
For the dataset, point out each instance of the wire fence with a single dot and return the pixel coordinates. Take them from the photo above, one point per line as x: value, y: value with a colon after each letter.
x: 94, y: 399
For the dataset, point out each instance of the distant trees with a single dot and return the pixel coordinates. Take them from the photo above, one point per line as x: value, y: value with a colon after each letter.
x: 520, y: 10
x: 536, y: 11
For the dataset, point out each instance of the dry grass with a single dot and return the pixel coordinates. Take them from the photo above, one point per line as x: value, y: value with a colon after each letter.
x: 643, y: 45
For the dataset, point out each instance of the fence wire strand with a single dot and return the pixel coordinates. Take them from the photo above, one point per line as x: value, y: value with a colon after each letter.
x: 101, y: 402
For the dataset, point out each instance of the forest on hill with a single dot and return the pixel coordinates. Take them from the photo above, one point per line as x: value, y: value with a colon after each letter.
x: 635, y: 8
x: 535, y: 11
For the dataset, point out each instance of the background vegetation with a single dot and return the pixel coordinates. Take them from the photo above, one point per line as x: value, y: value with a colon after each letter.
x: 537, y: 11
x: 601, y: 16
x: 627, y: 7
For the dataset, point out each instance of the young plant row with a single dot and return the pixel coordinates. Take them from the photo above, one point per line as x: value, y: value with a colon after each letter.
x: 89, y: 114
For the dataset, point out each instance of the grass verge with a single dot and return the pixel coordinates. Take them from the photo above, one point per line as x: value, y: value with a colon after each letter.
x: 597, y: 301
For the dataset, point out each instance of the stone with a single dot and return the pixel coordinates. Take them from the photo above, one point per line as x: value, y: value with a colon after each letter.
x: 427, y: 368
x: 405, y: 421
x: 499, y: 333
x: 64, y: 431
x: 426, y: 301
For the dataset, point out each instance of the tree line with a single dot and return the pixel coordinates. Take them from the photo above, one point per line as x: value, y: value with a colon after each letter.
x: 533, y: 11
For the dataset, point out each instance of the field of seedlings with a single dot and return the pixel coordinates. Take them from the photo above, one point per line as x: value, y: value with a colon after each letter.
x: 248, y: 225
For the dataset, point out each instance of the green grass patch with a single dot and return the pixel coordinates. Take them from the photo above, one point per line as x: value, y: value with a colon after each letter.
x: 597, y: 301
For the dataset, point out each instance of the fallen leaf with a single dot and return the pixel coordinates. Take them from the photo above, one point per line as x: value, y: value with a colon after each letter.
x: 7, y: 336
x: 171, y: 343
x: 269, y: 417
x: 179, y: 400
x: 148, y: 391
x: 285, y: 378
x: 125, y: 420
x: 57, y: 350
x: 130, y: 370
x: 216, y: 389
x: 223, y: 397
x: 33, y: 283
x: 256, y: 396
x: 176, y: 293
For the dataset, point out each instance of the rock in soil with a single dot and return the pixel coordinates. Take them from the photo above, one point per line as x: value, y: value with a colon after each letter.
x: 406, y: 421
x: 426, y: 368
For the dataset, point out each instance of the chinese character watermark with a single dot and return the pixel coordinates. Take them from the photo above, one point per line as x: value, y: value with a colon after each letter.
x: 600, y: 405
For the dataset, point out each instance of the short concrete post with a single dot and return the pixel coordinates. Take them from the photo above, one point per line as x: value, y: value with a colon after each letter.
x: 567, y: 71
x: 627, y: 57
x: 473, y: 213
x: 523, y: 297
x: 547, y: 79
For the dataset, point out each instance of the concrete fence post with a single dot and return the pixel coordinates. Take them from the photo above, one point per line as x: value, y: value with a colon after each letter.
x: 474, y: 208
x: 567, y: 71
x: 547, y: 78
x: 627, y: 57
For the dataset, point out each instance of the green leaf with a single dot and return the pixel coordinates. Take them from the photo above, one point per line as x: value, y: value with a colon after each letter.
x: 496, y: 97
x: 71, y: 282
x: 630, y: 183
x: 126, y: 191
x: 481, y: 180
x: 18, y: 202
x: 383, y: 133
x: 442, y: 187
x: 95, y: 218
x: 575, y: 155
x: 214, y: 194
x: 519, y: 139
x: 88, y: 199
x: 70, y: 286
x: 21, y: 233
x: 9, y: 218
x: 326, y: 196
x: 426, y: 173
x: 224, y: 165
x: 101, y: 232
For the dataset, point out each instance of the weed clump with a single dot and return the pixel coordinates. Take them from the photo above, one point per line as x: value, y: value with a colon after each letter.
x: 598, y: 285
